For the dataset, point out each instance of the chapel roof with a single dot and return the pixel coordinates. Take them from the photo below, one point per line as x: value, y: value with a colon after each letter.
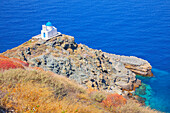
x: 48, y: 24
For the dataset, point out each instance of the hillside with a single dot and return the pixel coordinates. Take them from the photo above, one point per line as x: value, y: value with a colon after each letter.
x: 31, y: 89
x: 88, y: 67
x: 61, y: 70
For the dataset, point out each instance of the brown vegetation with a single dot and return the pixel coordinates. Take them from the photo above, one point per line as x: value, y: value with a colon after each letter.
x: 133, y: 106
x: 35, y: 90
x: 32, y: 97
x: 39, y: 91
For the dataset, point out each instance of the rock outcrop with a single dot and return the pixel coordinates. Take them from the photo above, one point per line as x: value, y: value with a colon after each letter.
x: 89, y: 67
x: 136, y: 65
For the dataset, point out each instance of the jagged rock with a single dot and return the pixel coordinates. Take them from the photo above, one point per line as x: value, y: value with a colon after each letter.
x: 89, y: 67
x: 76, y: 78
x: 27, y: 51
x: 125, y: 85
x: 136, y: 65
x: 115, y: 89
x: 22, y: 56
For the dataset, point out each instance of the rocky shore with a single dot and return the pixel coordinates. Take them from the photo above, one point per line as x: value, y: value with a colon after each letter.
x: 87, y: 66
x: 136, y: 65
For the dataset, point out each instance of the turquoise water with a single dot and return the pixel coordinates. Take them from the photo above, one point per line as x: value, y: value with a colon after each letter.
x: 145, y: 91
x: 156, y: 90
x: 132, y: 27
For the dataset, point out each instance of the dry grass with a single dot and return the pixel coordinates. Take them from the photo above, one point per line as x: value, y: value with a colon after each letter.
x: 98, y: 96
x: 60, y: 84
x: 32, y: 97
x: 133, y: 107
x: 36, y: 90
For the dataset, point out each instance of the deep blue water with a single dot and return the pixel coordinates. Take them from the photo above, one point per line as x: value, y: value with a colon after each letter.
x: 132, y: 27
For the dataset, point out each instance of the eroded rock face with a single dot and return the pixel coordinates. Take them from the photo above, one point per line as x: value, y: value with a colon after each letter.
x: 136, y: 65
x: 89, y: 67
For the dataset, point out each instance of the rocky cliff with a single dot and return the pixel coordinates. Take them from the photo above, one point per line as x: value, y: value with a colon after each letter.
x: 136, y: 65
x: 89, y: 67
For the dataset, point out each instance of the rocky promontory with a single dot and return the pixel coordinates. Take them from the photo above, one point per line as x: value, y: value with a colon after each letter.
x: 136, y: 65
x: 87, y: 66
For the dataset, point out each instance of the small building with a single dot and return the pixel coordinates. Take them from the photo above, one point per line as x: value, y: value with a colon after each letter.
x: 48, y: 31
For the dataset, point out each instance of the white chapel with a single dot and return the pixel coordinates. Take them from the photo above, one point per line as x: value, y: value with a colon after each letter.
x: 48, y: 31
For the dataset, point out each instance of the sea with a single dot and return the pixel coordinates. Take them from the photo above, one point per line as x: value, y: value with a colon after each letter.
x: 126, y: 27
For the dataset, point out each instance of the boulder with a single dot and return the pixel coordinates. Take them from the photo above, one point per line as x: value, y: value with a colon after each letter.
x: 125, y: 85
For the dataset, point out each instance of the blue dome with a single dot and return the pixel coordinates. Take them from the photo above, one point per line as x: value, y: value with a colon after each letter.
x: 48, y: 24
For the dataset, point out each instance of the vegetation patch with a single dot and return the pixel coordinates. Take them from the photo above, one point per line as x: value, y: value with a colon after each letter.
x: 113, y: 101
x: 6, y: 63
